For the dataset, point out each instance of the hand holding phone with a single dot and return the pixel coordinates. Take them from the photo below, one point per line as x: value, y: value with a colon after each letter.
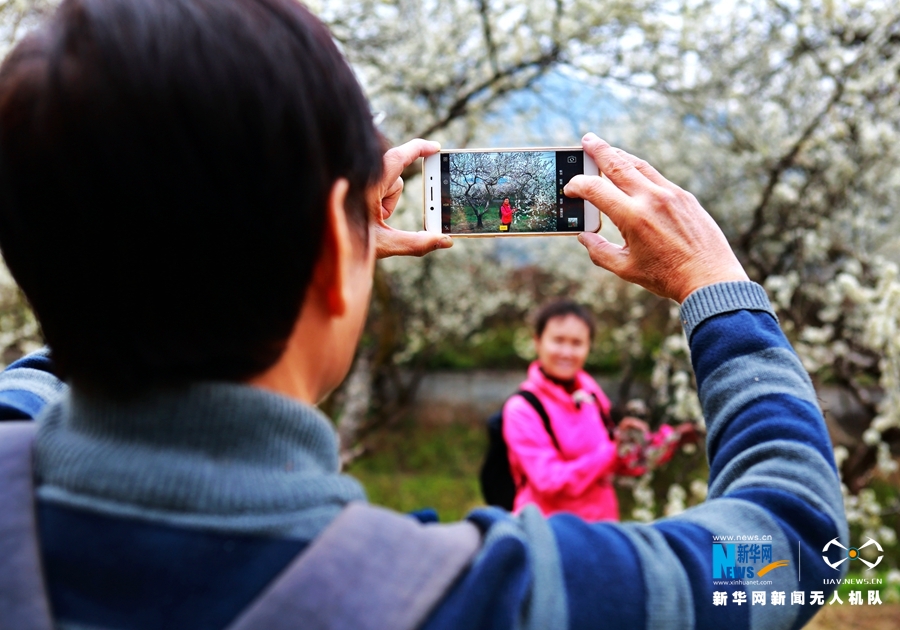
x: 383, y: 198
x: 672, y: 246
x: 507, y: 192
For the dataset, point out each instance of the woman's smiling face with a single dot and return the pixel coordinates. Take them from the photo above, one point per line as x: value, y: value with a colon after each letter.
x: 563, y: 347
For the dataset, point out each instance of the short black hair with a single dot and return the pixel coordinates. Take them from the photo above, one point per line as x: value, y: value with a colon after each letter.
x: 561, y: 308
x: 165, y: 167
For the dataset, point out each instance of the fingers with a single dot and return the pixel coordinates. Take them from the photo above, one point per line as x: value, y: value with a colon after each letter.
x: 620, y: 170
x: 391, y: 198
x: 646, y: 170
x: 634, y: 423
x: 391, y: 242
x: 600, y: 192
x: 604, y: 254
x: 398, y: 158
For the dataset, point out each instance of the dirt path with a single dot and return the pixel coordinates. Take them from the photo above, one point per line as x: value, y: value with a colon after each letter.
x: 884, y: 617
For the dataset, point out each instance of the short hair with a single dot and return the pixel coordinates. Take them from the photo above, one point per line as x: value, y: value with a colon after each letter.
x: 562, y: 308
x: 165, y: 167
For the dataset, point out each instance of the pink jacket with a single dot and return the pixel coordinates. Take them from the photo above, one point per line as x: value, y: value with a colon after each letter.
x: 576, y: 478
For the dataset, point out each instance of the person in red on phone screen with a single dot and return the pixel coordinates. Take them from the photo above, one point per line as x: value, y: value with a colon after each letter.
x: 506, y: 215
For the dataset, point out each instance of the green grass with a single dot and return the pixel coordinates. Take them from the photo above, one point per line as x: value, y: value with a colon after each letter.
x: 494, y: 349
x: 414, y: 466
x: 451, y: 496
x: 465, y: 221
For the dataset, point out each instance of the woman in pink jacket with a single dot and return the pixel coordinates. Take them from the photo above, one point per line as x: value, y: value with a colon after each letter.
x: 577, y: 476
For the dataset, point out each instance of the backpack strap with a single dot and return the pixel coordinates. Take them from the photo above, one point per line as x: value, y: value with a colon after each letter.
x: 535, y: 402
x: 370, y: 569
x: 605, y: 418
x: 23, y: 599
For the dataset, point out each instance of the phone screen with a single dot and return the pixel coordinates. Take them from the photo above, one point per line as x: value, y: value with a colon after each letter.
x: 510, y: 191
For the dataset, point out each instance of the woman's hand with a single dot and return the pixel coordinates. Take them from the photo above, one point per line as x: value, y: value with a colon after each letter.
x: 672, y: 246
x: 383, y: 202
x: 687, y: 433
x: 634, y: 424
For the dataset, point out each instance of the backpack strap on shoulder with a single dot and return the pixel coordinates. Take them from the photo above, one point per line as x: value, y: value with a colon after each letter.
x: 605, y: 418
x: 535, y: 402
x: 23, y: 599
x: 370, y: 569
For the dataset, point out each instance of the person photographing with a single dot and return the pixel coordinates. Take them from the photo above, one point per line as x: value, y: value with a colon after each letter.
x: 192, y: 197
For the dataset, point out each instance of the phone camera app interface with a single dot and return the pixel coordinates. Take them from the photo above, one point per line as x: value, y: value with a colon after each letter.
x: 510, y: 191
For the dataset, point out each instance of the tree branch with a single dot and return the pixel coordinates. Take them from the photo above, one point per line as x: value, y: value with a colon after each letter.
x: 775, y: 173
x: 460, y: 106
x: 488, y: 35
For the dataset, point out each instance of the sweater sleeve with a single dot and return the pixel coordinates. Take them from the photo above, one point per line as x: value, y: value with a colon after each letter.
x: 544, y: 466
x: 772, y: 481
x: 27, y: 385
x: 774, y: 502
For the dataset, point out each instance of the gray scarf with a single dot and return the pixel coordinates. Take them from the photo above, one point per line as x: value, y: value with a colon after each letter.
x: 219, y: 456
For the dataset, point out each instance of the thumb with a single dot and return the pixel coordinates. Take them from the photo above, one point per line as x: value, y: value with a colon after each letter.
x: 400, y: 243
x: 604, y: 254
x: 602, y: 193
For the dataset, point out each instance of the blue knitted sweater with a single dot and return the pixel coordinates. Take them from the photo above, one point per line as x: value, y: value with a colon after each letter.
x: 175, y: 510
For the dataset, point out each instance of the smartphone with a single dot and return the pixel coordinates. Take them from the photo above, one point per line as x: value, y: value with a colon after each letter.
x: 507, y: 192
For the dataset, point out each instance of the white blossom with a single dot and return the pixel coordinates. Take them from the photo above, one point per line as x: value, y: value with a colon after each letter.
x: 699, y: 490
x: 675, y: 500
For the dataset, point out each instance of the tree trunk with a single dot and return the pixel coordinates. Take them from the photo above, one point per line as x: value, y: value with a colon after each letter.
x: 357, y: 396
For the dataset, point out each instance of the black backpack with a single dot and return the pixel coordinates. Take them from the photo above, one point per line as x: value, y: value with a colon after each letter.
x: 497, y: 485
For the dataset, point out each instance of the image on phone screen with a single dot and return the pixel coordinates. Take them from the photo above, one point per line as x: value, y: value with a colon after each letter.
x: 510, y: 191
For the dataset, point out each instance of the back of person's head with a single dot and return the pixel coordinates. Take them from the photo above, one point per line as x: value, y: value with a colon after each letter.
x: 165, y: 167
x: 562, y: 308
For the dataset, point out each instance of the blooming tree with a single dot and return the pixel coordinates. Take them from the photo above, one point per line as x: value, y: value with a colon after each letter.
x: 791, y: 110
x: 480, y: 180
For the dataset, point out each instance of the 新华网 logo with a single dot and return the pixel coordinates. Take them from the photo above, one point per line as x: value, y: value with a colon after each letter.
x: 743, y: 561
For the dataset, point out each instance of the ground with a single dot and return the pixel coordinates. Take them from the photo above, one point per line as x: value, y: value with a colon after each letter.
x: 884, y: 617
x: 465, y: 221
